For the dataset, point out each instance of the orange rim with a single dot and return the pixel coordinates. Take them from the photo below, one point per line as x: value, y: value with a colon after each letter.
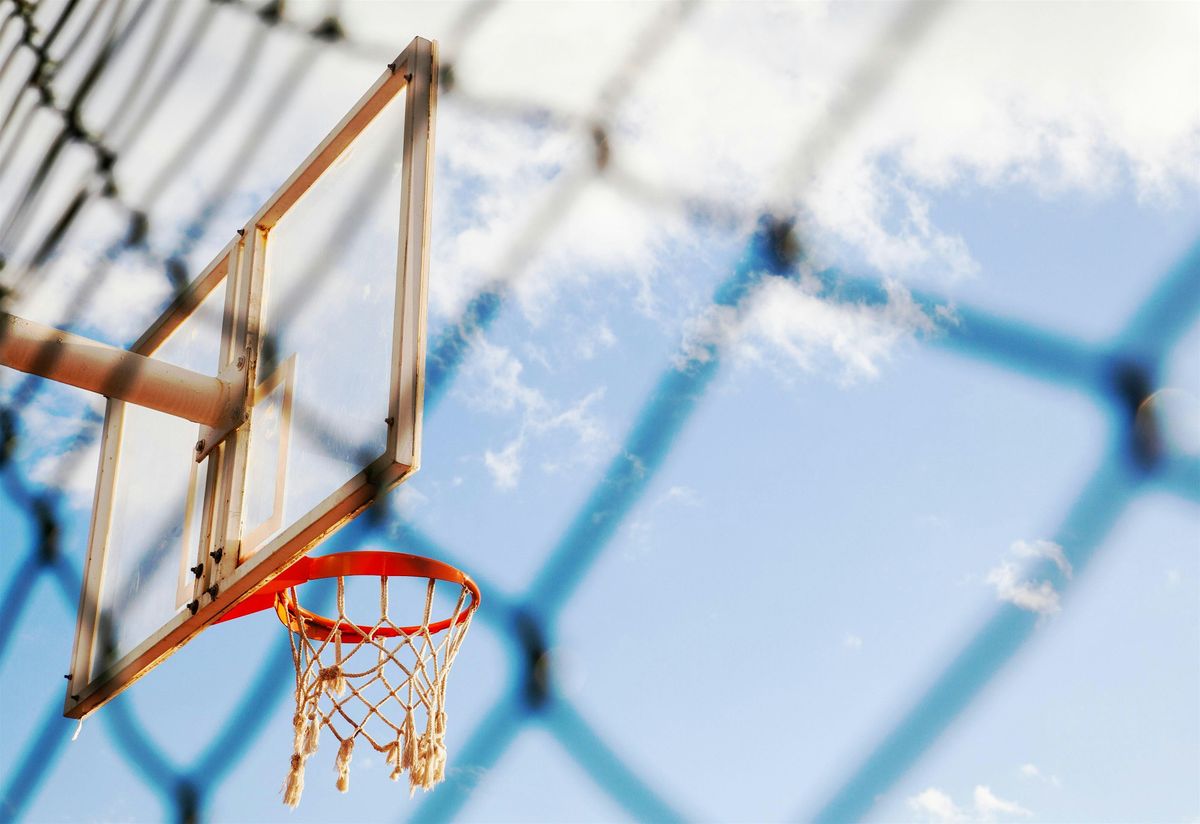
x: 375, y: 563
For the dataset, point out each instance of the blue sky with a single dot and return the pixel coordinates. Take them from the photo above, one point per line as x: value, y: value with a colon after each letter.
x: 882, y: 560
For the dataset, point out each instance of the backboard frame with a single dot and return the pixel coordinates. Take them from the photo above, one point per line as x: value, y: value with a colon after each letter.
x: 230, y: 571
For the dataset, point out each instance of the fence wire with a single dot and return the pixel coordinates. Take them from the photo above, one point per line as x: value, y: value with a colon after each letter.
x: 46, y: 44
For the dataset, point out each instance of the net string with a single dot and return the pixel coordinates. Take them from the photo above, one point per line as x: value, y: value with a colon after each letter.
x: 419, y: 666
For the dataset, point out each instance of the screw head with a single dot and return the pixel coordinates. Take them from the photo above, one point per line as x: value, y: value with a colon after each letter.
x: 241, y: 362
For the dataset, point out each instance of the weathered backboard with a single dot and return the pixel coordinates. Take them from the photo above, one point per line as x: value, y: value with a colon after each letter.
x: 321, y: 300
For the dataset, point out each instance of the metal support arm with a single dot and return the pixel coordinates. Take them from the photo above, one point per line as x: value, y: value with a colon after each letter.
x: 117, y: 373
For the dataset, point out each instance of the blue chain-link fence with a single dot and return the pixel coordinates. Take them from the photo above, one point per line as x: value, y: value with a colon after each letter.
x: 1117, y: 375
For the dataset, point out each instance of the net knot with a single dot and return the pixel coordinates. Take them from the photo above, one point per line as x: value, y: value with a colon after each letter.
x: 332, y: 679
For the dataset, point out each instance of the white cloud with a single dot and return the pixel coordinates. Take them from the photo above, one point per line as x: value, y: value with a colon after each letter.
x: 576, y: 419
x: 852, y: 641
x: 505, y: 465
x: 501, y: 175
x: 1033, y: 103
x: 494, y: 379
x: 683, y: 495
x: 1041, y: 598
x: 879, y: 215
x: 118, y: 306
x: 1032, y: 771
x: 934, y: 804
x: 1043, y: 549
x: 59, y: 437
x: 494, y: 382
x: 591, y: 341
x: 790, y: 321
x: 988, y: 806
x: 1009, y: 581
x: 995, y: 95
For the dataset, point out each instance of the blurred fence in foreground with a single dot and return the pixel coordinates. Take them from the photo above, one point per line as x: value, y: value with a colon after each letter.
x: 1120, y: 376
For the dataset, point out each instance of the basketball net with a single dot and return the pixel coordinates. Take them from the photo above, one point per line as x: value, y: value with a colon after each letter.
x: 384, y: 684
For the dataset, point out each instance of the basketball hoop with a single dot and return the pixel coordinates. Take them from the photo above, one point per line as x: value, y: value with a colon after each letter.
x: 383, y: 682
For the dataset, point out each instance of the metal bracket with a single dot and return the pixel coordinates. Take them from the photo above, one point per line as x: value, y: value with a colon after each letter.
x: 236, y: 375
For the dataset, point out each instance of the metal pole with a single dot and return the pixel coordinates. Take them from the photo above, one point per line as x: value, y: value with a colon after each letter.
x: 78, y: 361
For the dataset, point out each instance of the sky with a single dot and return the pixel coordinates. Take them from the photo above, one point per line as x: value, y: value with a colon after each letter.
x: 859, y: 533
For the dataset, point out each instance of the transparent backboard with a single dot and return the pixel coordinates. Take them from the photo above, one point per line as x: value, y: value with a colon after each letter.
x: 321, y: 301
x: 329, y: 300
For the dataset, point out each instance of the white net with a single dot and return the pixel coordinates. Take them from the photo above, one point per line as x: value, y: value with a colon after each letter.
x: 383, y: 683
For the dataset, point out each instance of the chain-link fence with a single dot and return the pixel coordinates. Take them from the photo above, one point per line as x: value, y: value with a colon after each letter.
x: 53, y: 63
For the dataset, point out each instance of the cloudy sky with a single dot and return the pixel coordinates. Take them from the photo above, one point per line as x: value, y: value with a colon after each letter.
x: 889, y: 551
